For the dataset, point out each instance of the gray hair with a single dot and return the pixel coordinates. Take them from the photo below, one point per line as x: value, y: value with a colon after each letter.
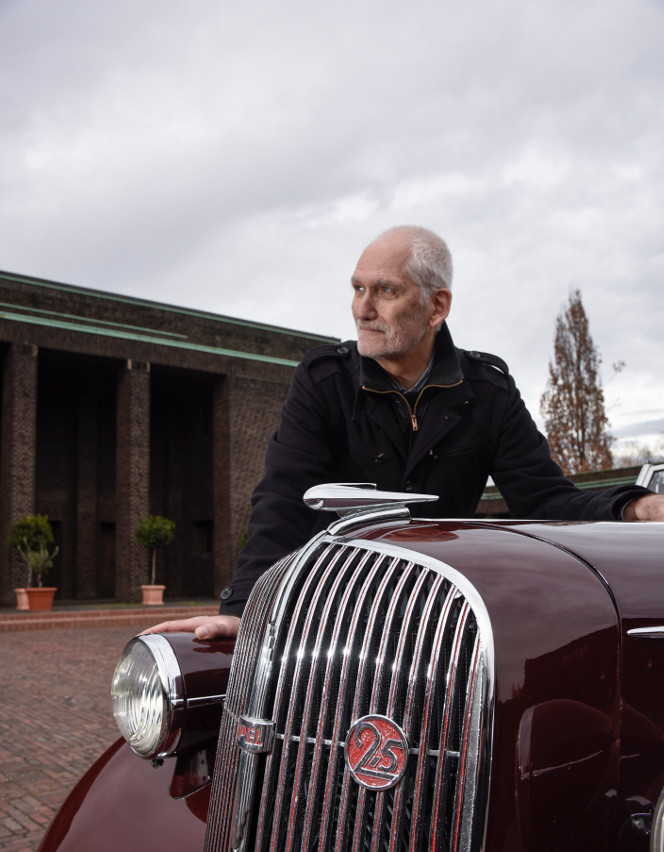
x: 429, y: 263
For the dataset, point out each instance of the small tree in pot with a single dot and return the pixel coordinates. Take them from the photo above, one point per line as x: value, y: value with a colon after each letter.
x: 152, y: 533
x: 32, y: 537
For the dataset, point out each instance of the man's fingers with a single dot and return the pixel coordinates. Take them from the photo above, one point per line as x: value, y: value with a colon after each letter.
x: 204, y: 626
x: 221, y: 625
x: 184, y: 625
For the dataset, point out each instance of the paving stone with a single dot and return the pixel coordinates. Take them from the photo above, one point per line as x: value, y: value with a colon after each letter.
x: 56, y: 720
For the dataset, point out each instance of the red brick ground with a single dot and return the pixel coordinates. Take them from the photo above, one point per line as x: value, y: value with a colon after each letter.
x: 55, y: 719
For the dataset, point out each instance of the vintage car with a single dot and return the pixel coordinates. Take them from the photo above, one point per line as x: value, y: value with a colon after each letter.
x: 401, y: 684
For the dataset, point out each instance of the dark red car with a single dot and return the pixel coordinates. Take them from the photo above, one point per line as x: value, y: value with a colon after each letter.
x: 401, y: 684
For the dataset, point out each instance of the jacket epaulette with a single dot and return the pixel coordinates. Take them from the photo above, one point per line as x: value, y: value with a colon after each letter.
x: 328, y: 350
x: 487, y: 358
x: 324, y: 361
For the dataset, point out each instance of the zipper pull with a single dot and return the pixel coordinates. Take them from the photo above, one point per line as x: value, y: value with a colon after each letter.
x: 413, y: 421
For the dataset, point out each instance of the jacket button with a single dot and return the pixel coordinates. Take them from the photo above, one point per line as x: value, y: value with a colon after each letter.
x: 226, y: 593
x: 343, y: 350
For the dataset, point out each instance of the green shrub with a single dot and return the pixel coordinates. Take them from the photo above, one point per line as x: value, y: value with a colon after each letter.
x: 152, y: 533
x: 31, y: 536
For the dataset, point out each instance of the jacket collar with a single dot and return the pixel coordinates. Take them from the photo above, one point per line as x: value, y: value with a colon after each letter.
x: 446, y: 370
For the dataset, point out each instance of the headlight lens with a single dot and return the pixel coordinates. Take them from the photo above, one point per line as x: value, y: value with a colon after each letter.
x: 146, y: 693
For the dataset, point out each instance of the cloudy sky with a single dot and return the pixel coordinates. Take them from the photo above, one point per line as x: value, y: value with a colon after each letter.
x: 236, y: 158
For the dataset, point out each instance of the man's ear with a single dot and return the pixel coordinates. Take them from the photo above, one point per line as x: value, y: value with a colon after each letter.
x: 441, y: 302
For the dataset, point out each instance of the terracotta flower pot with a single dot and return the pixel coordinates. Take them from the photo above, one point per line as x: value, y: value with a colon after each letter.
x: 22, y: 602
x: 153, y: 595
x: 40, y: 598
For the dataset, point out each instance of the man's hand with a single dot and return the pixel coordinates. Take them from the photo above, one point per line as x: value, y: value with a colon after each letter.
x: 648, y: 508
x: 204, y: 626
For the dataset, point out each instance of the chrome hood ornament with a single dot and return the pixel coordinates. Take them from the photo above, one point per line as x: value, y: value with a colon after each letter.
x: 349, y: 497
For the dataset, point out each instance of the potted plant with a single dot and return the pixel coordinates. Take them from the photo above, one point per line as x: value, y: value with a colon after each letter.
x: 22, y: 601
x: 152, y: 533
x: 32, y: 537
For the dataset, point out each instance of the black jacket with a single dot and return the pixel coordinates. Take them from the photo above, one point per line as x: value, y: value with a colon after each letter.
x: 344, y: 422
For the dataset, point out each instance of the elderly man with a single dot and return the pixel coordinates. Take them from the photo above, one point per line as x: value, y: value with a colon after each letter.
x: 407, y: 410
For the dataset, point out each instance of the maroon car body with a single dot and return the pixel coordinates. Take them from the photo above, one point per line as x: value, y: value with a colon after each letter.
x: 549, y: 635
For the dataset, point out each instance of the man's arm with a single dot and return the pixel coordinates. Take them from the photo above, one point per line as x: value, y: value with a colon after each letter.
x: 535, y: 486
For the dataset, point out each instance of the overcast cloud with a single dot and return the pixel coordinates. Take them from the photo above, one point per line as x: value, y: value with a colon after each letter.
x: 236, y: 158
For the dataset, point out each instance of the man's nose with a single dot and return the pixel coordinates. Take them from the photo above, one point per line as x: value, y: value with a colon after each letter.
x: 365, y: 306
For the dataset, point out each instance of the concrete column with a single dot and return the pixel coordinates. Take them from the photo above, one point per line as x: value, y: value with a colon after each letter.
x: 132, y: 477
x: 17, y: 456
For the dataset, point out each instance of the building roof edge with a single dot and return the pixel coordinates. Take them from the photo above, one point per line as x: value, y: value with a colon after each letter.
x: 162, y: 306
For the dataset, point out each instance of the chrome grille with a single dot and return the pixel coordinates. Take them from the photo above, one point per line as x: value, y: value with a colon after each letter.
x: 334, y: 634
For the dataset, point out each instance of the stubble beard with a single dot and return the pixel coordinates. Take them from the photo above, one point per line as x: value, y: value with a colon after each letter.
x: 391, y: 341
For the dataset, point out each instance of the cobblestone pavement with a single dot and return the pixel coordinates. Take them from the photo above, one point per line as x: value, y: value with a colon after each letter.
x: 55, y: 719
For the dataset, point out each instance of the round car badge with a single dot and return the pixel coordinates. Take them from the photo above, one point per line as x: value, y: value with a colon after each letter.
x: 376, y: 751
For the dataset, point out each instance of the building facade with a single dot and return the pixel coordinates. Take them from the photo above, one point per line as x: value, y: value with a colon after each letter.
x: 114, y: 408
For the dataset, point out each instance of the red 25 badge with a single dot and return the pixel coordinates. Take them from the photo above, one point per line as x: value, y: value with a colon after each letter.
x: 376, y: 750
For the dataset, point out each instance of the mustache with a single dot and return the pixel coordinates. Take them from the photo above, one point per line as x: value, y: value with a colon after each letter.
x: 371, y: 326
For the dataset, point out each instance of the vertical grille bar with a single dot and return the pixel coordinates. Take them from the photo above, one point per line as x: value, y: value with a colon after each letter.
x: 464, y: 803
x: 446, y: 823
x: 438, y: 684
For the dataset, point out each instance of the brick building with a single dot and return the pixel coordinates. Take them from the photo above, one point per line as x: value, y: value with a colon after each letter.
x: 114, y: 408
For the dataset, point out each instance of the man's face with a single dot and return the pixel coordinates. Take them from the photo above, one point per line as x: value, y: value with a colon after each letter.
x: 388, y: 309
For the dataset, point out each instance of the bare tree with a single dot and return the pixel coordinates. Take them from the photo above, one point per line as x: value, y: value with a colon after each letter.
x: 573, y: 402
x: 635, y: 453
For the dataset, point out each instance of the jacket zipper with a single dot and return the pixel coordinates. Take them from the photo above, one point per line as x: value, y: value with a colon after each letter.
x: 412, y: 411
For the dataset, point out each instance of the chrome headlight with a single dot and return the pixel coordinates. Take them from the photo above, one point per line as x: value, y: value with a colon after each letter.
x: 147, y: 693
